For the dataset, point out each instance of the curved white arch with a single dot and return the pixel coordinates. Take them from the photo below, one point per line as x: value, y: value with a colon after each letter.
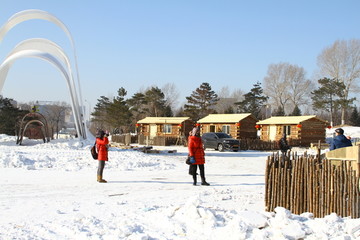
x: 8, y: 62
x: 46, y: 46
x: 52, y: 48
x: 39, y: 14
x: 33, y: 14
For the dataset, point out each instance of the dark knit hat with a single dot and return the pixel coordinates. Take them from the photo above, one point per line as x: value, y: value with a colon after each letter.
x: 339, y: 130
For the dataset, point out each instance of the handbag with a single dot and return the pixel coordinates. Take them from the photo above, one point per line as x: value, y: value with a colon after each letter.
x: 93, y: 151
x: 187, y: 161
x: 190, y: 161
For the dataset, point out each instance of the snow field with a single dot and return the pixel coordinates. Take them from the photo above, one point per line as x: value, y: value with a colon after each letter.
x: 49, y: 191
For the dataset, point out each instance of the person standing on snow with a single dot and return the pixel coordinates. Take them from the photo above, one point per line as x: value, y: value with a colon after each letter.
x: 102, y: 145
x: 340, y: 140
x: 284, y: 146
x: 197, y: 156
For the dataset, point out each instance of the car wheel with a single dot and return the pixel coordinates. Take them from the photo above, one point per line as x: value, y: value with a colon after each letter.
x: 220, y: 147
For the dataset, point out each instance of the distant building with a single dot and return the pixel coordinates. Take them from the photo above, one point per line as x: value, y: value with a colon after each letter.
x: 68, y: 118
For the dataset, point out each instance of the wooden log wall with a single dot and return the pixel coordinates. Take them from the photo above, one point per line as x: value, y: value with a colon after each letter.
x: 257, y: 144
x: 308, y: 184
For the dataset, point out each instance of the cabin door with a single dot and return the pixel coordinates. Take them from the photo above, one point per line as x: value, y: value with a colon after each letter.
x: 272, y: 133
x: 153, y: 130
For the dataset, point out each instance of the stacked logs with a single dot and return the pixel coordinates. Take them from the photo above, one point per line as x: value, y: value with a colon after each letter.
x: 310, y: 184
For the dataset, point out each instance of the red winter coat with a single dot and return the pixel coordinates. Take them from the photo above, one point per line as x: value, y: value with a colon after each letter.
x: 196, y: 149
x: 101, y: 145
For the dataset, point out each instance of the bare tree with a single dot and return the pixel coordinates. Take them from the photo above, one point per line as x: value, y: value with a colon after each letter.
x: 171, y: 95
x: 286, y: 85
x: 341, y: 61
x: 299, y: 86
x: 227, y: 100
x: 55, y: 115
x: 25, y: 106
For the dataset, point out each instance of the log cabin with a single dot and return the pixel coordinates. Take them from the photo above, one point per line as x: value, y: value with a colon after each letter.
x: 164, y: 126
x: 238, y: 126
x: 300, y: 130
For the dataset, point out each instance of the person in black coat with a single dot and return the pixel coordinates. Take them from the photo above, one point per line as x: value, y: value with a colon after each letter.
x: 340, y: 140
x: 283, y: 144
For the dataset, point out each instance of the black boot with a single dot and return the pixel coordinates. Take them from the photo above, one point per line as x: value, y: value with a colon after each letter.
x: 195, y: 180
x: 204, y: 183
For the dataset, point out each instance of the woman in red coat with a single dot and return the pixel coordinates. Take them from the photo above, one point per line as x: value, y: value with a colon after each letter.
x: 197, y: 156
x: 102, y: 147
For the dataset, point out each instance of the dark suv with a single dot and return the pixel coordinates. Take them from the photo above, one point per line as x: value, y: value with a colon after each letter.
x: 220, y: 141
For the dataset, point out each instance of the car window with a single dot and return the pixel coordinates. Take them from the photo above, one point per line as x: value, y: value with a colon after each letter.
x: 205, y: 135
x: 222, y: 135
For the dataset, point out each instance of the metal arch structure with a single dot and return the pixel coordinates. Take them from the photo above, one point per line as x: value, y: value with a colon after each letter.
x: 29, y: 119
x: 52, y: 49
x: 43, y: 131
x: 8, y: 62
x: 48, y: 51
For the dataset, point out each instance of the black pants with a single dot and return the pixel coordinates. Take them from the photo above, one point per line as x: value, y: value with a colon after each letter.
x: 100, y: 167
x: 193, y: 170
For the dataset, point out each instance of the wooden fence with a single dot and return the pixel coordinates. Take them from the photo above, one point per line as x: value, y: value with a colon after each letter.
x: 162, y: 141
x: 310, y: 184
x: 125, y: 139
x: 257, y: 144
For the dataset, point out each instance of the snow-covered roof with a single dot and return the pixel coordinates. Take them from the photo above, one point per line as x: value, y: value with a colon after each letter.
x: 163, y: 120
x: 224, y: 118
x: 288, y: 119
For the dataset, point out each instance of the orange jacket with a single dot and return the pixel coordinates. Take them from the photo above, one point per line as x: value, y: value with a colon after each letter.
x: 102, y: 148
x: 196, y: 149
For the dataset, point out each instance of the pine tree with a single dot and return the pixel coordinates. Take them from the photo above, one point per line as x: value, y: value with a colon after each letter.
x: 253, y: 102
x: 9, y: 115
x: 100, y: 114
x: 156, y: 103
x: 330, y: 96
x: 201, y: 102
x: 229, y: 110
x: 137, y: 106
x: 279, y: 112
x: 296, y: 111
x: 119, y: 113
x: 355, y: 117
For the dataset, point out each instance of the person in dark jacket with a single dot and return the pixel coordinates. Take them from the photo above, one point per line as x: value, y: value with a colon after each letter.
x: 102, y: 145
x: 284, y: 146
x: 340, y: 140
x: 197, y: 156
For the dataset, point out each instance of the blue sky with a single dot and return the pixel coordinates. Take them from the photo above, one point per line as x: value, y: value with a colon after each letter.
x: 140, y: 43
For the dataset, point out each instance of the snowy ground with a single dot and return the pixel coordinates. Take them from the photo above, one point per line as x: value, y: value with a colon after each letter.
x: 49, y: 191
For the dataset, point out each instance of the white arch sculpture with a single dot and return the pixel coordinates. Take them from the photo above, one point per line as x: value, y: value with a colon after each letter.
x: 52, y: 49
x: 49, y: 51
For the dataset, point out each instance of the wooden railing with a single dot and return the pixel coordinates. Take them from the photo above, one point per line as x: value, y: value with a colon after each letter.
x: 312, y: 184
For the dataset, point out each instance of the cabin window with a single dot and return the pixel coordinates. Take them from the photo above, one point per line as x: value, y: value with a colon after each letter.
x: 287, y: 130
x: 167, y: 128
x: 226, y: 129
x: 212, y: 128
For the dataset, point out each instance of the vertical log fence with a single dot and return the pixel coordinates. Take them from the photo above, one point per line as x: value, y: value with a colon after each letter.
x: 311, y: 184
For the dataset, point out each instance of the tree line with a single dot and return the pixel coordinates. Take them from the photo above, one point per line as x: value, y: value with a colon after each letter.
x: 286, y: 91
